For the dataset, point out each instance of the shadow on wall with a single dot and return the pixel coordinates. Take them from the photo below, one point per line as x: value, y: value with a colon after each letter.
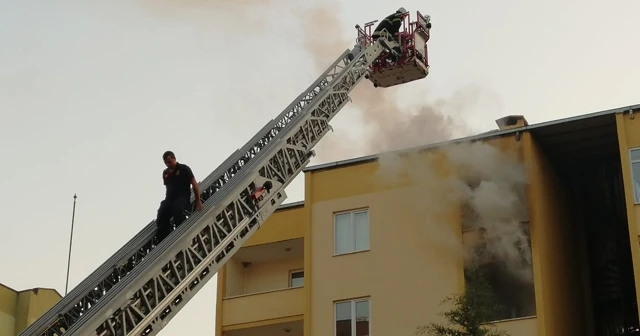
x: 496, y: 233
x: 489, y: 183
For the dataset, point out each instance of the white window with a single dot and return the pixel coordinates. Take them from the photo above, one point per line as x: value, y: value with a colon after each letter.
x: 635, y: 173
x: 634, y: 155
x: 296, y: 279
x: 351, y: 231
x: 352, y: 318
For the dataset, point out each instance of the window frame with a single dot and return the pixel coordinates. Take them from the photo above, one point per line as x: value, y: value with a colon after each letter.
x: 352, y: 214
x: 352, y: 303
x: 525, y: 224
x: 291, y: 273
x: 636, y: 194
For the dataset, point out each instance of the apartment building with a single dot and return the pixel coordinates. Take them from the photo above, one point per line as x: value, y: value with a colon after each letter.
x: 19, y: 309
x: 550, y: 211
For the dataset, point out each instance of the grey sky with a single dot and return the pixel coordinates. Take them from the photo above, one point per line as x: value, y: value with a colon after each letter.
x: 92, y: 93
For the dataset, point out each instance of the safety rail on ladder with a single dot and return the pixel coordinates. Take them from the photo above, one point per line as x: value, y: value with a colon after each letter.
x: 140, y: 288
x: 86, y: 294
x: 414, y: 32
x: 405, y: 59
x: 410, y: 31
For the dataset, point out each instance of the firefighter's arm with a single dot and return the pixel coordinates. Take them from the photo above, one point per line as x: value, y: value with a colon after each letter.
x: 196, y: 192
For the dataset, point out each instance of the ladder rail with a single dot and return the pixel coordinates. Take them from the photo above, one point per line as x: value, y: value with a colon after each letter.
x: 95, y: 279
x: 270, y: 124
x: 170, y: 263
x: 141, y: 241
x: 268, y: 128
x: 64, y: 310
x: 252, y: 148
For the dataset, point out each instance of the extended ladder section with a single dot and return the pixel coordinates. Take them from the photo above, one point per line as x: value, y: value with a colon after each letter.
x: 142, y: 287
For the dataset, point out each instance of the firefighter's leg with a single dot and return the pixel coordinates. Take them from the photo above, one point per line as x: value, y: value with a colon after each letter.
x: 164, y: 227
x: 178, y: 208
x: 396, y: 50
x: 385, y: 44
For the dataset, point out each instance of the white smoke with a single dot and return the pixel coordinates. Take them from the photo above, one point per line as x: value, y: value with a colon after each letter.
x: 490, y: 182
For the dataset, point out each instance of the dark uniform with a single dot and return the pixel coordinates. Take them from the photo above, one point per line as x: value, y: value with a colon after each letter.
x: 178, y: 185
x: 391, y: 24
x: 389, y: 27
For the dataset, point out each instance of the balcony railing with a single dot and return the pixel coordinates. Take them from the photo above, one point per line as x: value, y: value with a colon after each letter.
x: 263, y: 306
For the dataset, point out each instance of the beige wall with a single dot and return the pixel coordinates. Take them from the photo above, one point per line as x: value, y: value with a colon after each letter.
x: 8, y: 301
x: 263, y: 308
x: 284, y: 224
x: 520, y: 327
x: 22, y: 311
x: 34, y: 304
x: 558, y: 277
x: 18, y: 310
x: 406, y: 273
x: 241, y: 291
x: 234, y: 273
x: 7, y: 324
x: 415, y: 258
x: 268, y: 276
x: 260, y: 277
x: 628, y: 127
x: 410, y: 267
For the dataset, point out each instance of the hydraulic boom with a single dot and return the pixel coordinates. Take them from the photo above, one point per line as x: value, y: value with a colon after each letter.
x: 142, y: 286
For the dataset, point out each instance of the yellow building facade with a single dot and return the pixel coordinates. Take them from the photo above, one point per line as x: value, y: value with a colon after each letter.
x: 19, y: 309
x: 550, y: 211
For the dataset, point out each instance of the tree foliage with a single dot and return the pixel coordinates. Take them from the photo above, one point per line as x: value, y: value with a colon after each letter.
x: 469, y: 312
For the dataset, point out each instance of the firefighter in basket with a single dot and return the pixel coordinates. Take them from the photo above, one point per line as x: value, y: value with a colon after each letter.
x: 389, y: 28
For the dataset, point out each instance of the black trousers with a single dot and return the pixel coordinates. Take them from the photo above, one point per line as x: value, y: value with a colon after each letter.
x: 175, y: 208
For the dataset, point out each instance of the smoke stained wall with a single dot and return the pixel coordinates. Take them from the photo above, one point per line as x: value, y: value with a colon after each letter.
x: 386, y: 125
x: 487, y: 184
x: 491, y: 182
x: 487, y: 181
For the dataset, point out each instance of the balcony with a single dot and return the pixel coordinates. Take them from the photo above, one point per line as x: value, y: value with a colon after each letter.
x: 274, y: 305
x: 264, y: 283
x: 293, y: 328
x: 527, y: 326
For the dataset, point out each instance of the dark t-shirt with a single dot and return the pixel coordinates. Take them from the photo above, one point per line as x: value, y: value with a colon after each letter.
x: 178, y: 182
x: 391, y: 23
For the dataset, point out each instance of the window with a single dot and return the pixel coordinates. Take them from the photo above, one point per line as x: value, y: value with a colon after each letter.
x: 634, y: 155
x: 352, y: 318
x: 503, y: 270
x: 296, y: 279
x: 351, y: 231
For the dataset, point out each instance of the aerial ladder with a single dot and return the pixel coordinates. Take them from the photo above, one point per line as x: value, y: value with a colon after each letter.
x: 139, y: 289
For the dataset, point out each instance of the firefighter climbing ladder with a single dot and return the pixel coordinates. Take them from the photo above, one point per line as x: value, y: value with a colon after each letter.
x: 141, y: 287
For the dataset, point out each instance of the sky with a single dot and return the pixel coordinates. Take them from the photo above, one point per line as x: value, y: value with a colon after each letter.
x: 93, y: 92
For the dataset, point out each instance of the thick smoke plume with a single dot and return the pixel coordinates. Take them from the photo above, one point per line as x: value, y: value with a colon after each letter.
x: 489, y: 182
x: 486, y: 184
x: 386, y: 125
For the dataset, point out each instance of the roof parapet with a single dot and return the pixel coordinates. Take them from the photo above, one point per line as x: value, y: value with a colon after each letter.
x: 511, y: 121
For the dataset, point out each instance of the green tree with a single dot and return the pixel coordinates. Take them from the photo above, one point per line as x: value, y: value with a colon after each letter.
x: 469, y: 312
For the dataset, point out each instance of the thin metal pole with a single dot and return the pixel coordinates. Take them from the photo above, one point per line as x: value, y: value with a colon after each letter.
x: 73, y: 217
